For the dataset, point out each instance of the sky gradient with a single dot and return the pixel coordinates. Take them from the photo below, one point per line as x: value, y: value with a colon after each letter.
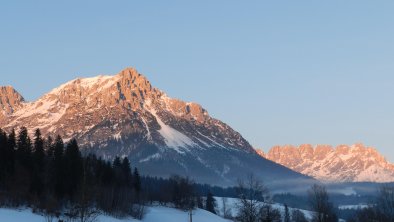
x: 279, y: 72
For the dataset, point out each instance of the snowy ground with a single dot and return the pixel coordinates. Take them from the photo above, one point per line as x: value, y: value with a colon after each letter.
x: 16, y: 215
x: 154, y: 214
x: 353, y: 207
x: 231, y: 203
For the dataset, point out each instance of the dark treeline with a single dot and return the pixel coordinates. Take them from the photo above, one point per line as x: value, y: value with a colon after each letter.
x: 379, y: 210
x: 154, y: 183
x: 52, y: 177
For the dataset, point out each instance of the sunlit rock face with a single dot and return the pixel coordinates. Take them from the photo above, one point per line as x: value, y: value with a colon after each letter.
x: 10, y: 100
x: 344, y: 163
x: 124, y: 115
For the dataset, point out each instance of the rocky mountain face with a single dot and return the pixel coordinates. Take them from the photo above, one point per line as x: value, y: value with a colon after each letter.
x: 344, y: 163
x: 124, y: 115
x: 10, y: 100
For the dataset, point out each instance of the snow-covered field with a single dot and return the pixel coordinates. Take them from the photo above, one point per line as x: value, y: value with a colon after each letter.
x: 154, y: 214
x: 158, y: 213
x: 353, y: 207
x: 17, y: 215
x: 231, y: 203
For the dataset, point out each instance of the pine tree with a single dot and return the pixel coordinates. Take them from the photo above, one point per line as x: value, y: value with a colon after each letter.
x: 58, y: 168
x: 287, y: 214
x: 117, y: 167
x: 126, y: 170
x: 11, y: 146
x: 58, y: 148
x: 39, y: 153
x: 3, y: 156
x: 24, y: 148
x: 199, y: 202
x: 116, y: 163
x: 37, y: 181
x: 136, y: 181
x: 49, y: 147
x: 210, y: 203
x: 74, y: 166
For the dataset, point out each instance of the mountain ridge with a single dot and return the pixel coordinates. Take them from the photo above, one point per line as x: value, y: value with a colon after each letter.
x: 343, y: 163
x: 124, y: 115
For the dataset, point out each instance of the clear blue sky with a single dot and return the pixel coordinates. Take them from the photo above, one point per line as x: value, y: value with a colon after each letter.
x: 279, y: 72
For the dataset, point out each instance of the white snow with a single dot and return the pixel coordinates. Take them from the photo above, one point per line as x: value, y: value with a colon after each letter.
x: 17, y: 215
x: 154, y: 214
x: 231, y: 204
x: 344, y: 163
x: 172, y: 137
x: 89, y: 82
x: 165, y: 214
x: 46, y: 113
x: 154, y: 156
x: 353, y: 207
x: 213, y: 141
x: 86, y: 83
x: 117, y: 136
x: 148, y: 135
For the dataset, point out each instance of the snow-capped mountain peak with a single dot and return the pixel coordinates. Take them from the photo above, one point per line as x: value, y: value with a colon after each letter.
x: 124, y: 115
x: 344, y: 163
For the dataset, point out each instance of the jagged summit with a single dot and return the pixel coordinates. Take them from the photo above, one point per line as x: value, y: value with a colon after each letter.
x: 124, y: 115
x: 10, y: 101
x: 343, y: 163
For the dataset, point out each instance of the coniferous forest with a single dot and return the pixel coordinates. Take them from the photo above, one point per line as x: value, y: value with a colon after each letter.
x: 53, y: 177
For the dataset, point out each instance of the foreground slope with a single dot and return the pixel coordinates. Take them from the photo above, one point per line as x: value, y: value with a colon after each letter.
x: 154, y: 214
x: 355, y: 163
x: 124, y: 115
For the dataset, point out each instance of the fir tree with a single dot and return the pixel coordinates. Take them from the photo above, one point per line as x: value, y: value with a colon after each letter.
x: 49, y: 147
x: 136, y: 181
x: 116, y: 163
x: 126, y: 170
x: 287, y: 214
x: 210, y: 203
x: 11, y: 146
x: 39, y: 153
x: 58, y: 168
x: 3, y: 156
x: 24, y: 148
x: 37, y: 180
x: 74, y: 166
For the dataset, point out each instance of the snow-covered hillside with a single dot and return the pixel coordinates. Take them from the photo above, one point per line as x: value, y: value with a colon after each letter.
x: 154, y: 214
x: 231, y: 204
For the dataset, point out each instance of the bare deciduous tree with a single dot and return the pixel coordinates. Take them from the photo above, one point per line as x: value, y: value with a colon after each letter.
x: 298, y: 216
x: 226, y: 211
x: 251, y: 194
x: 269, y: 214
x: 319, y: 202
x: 385, y: 202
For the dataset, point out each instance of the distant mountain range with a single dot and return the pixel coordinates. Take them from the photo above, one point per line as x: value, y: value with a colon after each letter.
x: 344, y: 163
x: 124, y: 115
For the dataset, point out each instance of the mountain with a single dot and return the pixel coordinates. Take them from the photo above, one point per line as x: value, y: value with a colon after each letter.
x: 10, y: 100
x: 344, y: 163
x: 124, y: 115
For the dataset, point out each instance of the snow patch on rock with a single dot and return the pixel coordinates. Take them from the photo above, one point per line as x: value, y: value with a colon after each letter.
x: 172, y: 137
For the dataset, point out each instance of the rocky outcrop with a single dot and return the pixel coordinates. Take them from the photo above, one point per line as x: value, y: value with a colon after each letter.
x: 10, y: 101
x: 344, y: 163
